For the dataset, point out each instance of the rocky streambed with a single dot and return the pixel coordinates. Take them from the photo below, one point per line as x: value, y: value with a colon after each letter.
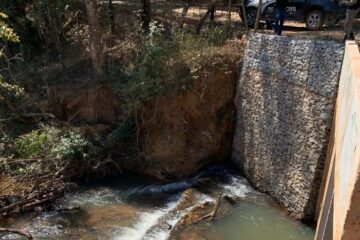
x: 130, y: 207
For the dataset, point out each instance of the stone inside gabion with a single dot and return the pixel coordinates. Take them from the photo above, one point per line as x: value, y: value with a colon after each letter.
x: 285, y: 100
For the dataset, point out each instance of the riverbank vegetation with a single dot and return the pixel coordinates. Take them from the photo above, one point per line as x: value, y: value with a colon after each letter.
x: 80, y: 87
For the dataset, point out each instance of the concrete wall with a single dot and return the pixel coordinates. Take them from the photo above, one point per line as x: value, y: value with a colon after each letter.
x: 347, y: 148
x: 285, y: 101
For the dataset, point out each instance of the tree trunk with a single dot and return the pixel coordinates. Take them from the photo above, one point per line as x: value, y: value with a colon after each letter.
x: 258, y: 15
x: 202, y: 20
x: 96, y: 45
x: 213, y: 10
x: 245, y: 17
x: 184, y: 13
x: 146, y: 15
x: 112, y: 18
x: 229, y: 12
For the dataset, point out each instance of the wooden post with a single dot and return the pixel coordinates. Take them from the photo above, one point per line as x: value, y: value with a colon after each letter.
x: 244, y: 14
x: 258, y: 14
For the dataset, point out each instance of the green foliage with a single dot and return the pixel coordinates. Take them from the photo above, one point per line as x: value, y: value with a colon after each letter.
x: 20, y: 20
x: 30, y: 145
x: 42, y: 24
x: 53, y: 148
x: 7, y: 33
x: 159, y: 67
x: 217, y: 35
x: 70, y: 147
x: 10, y: 93
x: 165, y: 60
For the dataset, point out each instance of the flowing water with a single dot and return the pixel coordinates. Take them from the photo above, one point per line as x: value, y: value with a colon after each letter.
x: 132, y: 208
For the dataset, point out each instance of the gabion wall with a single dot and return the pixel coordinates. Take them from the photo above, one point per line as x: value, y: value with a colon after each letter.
x: 285, y: 100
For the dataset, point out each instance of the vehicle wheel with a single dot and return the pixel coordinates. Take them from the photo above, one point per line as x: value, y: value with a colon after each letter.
x: 314, y: 20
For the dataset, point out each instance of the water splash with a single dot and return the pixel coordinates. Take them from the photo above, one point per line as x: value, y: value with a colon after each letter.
x: 100, y: 197
x: 238, y: 186
x: 147, y: 220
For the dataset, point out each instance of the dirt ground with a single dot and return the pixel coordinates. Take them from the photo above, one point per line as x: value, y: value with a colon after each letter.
x: 173, y: 8
x: 334, y: 32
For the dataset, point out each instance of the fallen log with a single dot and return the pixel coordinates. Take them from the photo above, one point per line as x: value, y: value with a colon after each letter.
x: 16, y: 231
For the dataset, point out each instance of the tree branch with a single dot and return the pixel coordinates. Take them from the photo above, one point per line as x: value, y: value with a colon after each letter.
x: 16, y: 231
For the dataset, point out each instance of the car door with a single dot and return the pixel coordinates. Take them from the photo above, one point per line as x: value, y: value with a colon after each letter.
x: 269, y: 10
x: 296, y: 9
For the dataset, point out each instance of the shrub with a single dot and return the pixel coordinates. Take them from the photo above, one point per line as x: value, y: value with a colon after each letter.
x: 159, y: 66
x: 217, y: 35
x: 51, y: 148
x: 71, y: 147
x: 164, y: 60
x: 10, y: 93
x: 6, y: 33
x: 30, y: 145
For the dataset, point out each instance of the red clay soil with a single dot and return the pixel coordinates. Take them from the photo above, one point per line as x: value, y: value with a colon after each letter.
x: 184, y: 132
x: 95, y: 105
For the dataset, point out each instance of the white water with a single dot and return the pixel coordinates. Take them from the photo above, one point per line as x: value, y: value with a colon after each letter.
x: 146, y: 221
x: 107, y: 212
x: 238, y: 187
x: 156, y: 225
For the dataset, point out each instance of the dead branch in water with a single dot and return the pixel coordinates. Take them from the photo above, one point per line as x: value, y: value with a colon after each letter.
x: 69, y: 209
x: 213, y: 212
x: 16, y: 231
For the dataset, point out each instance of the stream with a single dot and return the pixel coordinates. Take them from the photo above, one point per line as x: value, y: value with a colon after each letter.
x: 130, y: 207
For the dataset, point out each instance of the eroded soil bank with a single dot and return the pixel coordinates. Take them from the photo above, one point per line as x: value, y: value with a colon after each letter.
x: 172, y: 135
x: 184, y: 132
